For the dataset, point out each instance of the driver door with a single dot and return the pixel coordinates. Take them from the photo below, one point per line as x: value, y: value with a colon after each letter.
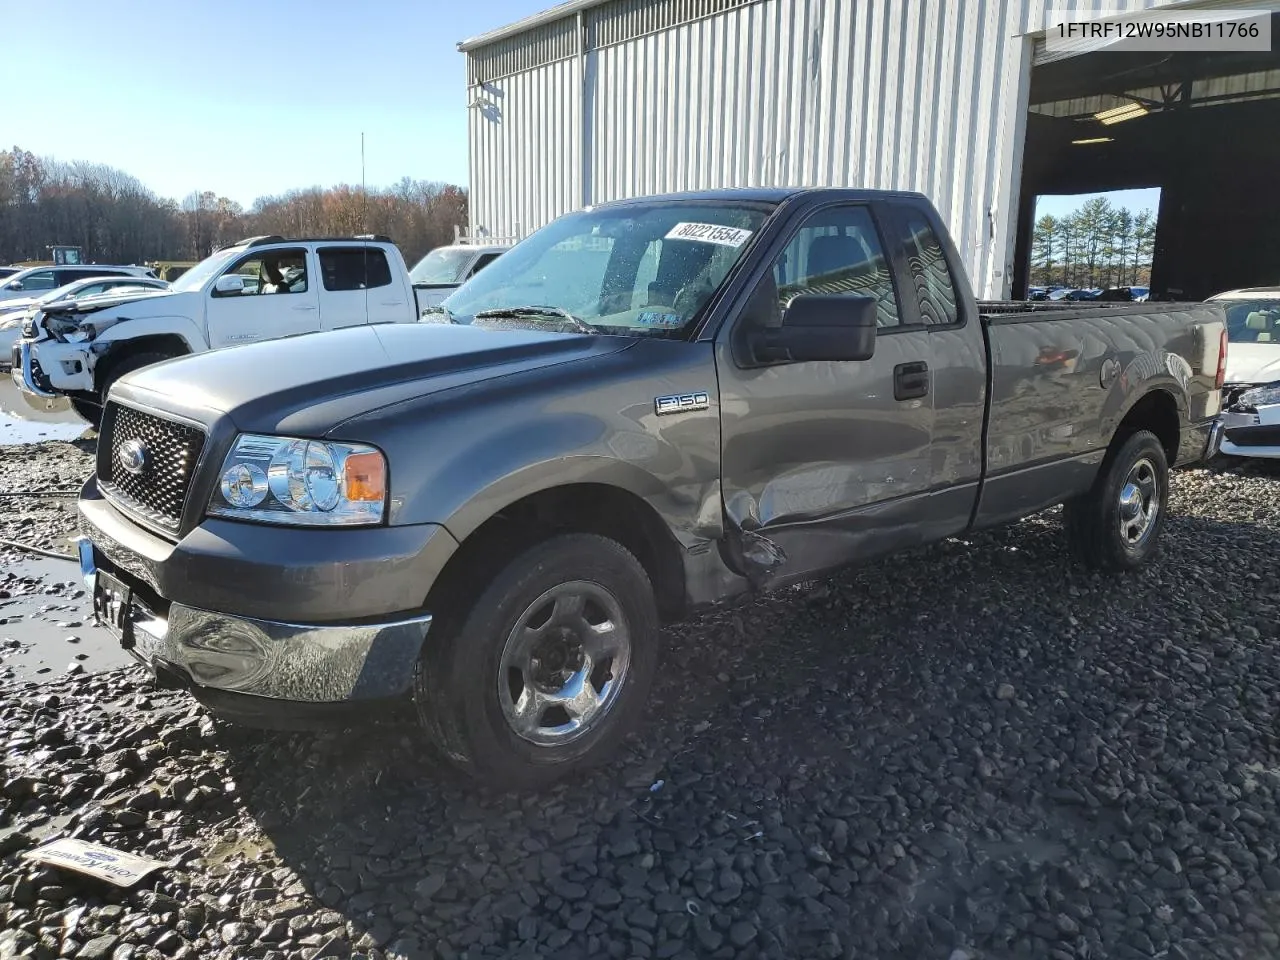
x: 244, y: 316
x: 827, y: 462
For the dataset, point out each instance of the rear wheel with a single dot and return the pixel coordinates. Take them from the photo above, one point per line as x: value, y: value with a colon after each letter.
x: 1117, y: 525
x: 550, y: 667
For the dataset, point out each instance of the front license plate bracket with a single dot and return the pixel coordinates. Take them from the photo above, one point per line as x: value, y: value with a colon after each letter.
x: 113, y: 607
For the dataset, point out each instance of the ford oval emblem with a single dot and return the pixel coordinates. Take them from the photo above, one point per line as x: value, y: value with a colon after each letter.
x: 132, y: 456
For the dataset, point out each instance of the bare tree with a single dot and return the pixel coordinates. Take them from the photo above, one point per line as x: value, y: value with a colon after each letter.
x: 115, y: 218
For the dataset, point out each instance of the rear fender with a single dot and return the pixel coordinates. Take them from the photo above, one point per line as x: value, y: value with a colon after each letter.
x: 1146, y: 374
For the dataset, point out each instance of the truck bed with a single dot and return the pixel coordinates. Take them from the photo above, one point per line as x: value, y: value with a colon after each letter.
x: 993, y: 309
x: 1062, y: 376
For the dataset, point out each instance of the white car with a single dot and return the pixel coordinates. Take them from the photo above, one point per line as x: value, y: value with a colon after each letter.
x: 14, y: 314
x: 1251, y: 396
x: 262, y: 288
x: 37, y: 281
x: 445, y: 269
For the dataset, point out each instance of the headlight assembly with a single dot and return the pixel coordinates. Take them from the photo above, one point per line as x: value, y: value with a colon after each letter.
x: 301, y: 482
x: 61, y: 324
x: 1264, y: 396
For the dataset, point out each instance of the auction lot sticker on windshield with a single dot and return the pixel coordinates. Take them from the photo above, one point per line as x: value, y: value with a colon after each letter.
x: 114, y: 866
x: 709, y: 233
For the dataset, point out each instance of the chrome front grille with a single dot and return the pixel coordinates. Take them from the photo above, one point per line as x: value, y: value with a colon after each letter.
x: 146, y: 463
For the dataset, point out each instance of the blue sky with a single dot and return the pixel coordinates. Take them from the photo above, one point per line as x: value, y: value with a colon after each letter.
x: 1147, y: 198
x: 246, y: 98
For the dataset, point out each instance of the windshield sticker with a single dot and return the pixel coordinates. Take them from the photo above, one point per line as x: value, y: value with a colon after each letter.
x: 709, y: 233
x: 666, y: 320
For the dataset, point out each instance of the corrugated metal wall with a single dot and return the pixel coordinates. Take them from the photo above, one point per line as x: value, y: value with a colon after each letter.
x: 924, y: 95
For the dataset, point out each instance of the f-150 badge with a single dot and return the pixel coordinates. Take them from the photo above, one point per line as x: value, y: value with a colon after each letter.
x: 681, y: 403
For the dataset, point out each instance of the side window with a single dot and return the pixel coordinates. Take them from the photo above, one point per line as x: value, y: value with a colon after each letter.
x: 838, y: 252
x: 40, y: 280
x: 484, y: 261
x: 929, y: 271
x: 269, y: 272
x: 353, y: 268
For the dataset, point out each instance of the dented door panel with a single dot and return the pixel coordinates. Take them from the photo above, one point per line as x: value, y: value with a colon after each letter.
x: 812, y: 453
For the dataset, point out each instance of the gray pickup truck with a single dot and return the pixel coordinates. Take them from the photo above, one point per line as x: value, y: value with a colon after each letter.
x: 645, y: 408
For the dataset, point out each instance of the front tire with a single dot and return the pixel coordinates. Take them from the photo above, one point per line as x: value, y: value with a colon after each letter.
x: 89, y: 410
x: 550, y: 667
x: 1116, y: 526
x: 127, y: 364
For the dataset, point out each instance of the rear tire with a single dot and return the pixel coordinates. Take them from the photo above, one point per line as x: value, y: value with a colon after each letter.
x: 549, y: 668
x: 1116, y: 526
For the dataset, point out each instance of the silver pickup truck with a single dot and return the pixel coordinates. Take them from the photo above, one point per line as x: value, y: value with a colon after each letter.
x: 644, y: 409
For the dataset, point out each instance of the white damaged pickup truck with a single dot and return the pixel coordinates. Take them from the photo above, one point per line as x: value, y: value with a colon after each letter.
x: 263, y: 288
x: 644, y: 409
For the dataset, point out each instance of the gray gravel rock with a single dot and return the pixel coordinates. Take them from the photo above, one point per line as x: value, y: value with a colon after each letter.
x: 977, y: 750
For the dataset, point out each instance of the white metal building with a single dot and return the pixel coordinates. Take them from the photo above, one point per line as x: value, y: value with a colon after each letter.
x: 596, y: 100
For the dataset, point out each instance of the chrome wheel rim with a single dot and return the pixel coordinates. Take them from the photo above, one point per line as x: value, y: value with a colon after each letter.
x: 1139, y: 503
x: 564, y: 663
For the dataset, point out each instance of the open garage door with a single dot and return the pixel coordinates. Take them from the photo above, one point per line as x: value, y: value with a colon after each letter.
x: 1204, y: 128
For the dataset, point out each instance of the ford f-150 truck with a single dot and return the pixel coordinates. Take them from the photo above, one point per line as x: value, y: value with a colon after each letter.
x: 645, y: 408
x: 260, y: 288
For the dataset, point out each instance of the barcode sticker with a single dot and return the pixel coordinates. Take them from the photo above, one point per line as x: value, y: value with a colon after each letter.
x: 709, y: 233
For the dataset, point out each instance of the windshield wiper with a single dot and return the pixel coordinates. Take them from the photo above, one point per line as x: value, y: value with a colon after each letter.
x: 538, y: 312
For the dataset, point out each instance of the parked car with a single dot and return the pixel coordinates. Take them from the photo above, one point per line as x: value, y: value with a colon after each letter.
x: 9, y: 271
x: 15, y: 315
x: 76, y: 289
x: 35, y: 281
x: 445, y: 269
x: 315, y: 284
x: 492, y: 514
x: 1251, y: 415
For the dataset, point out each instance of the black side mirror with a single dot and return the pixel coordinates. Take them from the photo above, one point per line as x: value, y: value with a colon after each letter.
x: 820, y: 327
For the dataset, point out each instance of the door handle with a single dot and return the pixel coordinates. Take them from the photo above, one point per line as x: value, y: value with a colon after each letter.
x: 911, y: 380
x: 305, y: 306
x: 393, y: 303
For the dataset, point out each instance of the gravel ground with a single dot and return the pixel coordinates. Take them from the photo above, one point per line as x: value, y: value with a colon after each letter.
x: 41, y: 521
x: 975, y: 751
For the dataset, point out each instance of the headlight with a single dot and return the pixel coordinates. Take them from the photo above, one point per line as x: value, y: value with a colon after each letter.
x: 301, y: 482
x: 60, y: 324
x: 1263, y: 396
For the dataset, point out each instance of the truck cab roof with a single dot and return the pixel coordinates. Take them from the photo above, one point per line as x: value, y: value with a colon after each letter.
x: 766, y: 195
x: 276, y: 240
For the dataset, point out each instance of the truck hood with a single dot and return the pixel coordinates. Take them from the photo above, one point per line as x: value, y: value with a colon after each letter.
x: 307, y: 385
x: 141, y: 303
x: 1253, y: 363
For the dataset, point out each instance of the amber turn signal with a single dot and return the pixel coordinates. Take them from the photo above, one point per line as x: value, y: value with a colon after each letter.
x: 365, y: 476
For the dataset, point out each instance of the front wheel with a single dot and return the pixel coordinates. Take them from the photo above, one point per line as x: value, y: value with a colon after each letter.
x: 1117, y: 524
x: 548, y: 670
x: 89, y: 410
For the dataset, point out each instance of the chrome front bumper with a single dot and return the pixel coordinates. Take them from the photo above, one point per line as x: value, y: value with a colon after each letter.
x: 22, y: 374
x: 301, y: 663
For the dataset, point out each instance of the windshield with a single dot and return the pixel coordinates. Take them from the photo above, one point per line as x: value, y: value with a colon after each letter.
x: 646, y: 268
x: 205, y: 270
x: 441, y: 266
x: 1253, y: 321
x: 57, y: 294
